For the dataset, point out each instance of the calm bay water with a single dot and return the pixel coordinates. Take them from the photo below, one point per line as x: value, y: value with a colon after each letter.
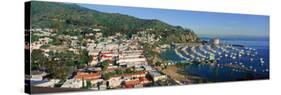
x: 223, y: 73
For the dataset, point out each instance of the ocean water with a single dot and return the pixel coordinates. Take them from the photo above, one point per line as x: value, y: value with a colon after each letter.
x: 222, y: 71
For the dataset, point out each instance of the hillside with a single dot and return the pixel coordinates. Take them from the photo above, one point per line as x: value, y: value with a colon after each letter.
x: 66, y: 17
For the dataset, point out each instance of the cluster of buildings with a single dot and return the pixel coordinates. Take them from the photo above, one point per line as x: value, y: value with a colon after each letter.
x: 42, y: 35
x: 127, y: 65
x: 39, y: 43
x: 144, y: 36
x: 122, y: 55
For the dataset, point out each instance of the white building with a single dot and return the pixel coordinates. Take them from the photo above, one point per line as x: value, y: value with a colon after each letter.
x: 215, y: 41
x: 96, y: 29
x: 37, y: 76
x: 50, y: 83
x: 114, y: 82
x: 131, y: 60
x: 147, y: 67
x: 72, y: 83
x: 40, y: 42
x: 98, y: 35
x: 155, y: 75
x: 102, y: 86
x: 95, y: 81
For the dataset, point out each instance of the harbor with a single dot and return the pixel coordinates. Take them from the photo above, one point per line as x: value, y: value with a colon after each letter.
x: 232, y: 58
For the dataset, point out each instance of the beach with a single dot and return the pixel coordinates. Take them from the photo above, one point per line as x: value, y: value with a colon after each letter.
x: 179, y: 75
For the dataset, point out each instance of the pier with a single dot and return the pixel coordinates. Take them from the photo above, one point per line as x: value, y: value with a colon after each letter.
x: 179, y: 54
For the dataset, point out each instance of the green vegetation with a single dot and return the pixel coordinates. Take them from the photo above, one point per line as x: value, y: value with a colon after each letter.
x: 107, y: 75
x: 149, y: 52
x: 56, y: 41
x: 56, y: 70
x: 84, y: 58
x: 38, y: 60
x: 158, y: 63
x: 83, y: 83
x: 66, y: 57
x: 71, y: 19
x: 58, y: 63
x: 105, y: 64
x: 88, y: 84
x: 35, y: 38
x: 45, y: 46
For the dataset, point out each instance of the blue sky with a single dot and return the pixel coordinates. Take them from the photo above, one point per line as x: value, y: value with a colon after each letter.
x: 205, y: 24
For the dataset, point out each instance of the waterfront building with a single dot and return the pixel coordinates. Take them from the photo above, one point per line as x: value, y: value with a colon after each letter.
x: 155, y: 75
x: 215, y: 41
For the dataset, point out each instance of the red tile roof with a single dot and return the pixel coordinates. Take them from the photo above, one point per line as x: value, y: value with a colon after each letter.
x: 143, y: 80
x: 131, y: 83
x: 87, y: 76
x: 104, y: 56
x: 107, y: 53
x: 137, y: 73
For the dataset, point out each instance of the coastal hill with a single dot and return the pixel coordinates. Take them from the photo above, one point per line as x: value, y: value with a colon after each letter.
x: 72, y: 19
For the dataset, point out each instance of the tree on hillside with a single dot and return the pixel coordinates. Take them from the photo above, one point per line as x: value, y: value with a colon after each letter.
x: 84, y: 58
x: 104, y: 64
x: 57, y: 70
x: 158, y: 63
x: 106, y: 76
x: 37, y: 59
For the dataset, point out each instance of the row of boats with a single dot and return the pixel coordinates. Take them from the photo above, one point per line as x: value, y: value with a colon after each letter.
x: 238, y: 58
